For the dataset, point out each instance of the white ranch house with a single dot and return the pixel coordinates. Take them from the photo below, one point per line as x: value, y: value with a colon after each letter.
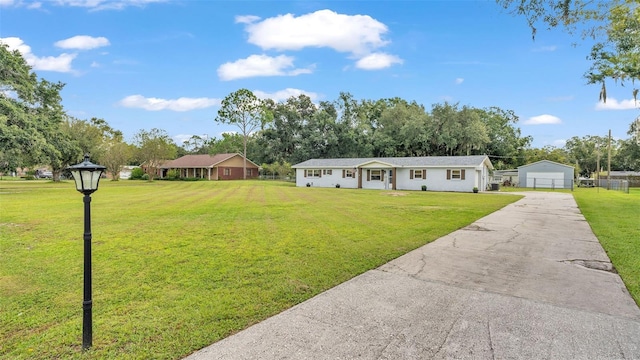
x: 437, y: 173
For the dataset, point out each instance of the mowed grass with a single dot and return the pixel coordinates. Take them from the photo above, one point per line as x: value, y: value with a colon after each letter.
x: 615, y: 219
x: 180, y: 265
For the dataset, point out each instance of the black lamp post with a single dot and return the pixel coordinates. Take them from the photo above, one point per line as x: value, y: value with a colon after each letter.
x: 87, y: 176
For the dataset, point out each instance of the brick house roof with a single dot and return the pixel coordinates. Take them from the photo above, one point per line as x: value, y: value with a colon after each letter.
x: 201, y: 161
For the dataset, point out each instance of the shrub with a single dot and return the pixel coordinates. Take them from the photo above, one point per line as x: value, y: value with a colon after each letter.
x: 137, y: 173
x: 173, y: 174
x: 144, y: 177
x: 424, y: 187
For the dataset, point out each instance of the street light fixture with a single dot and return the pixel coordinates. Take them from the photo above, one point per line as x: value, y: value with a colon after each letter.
x: 87, y: 176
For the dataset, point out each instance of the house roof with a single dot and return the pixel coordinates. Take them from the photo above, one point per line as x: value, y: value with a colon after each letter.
x: 545, y: 161
x: 200, y: 161
x: 418, y: 161
x: 622, y: 173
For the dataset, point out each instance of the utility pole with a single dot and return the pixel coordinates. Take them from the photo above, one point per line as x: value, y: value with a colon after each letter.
x: 609, y: 164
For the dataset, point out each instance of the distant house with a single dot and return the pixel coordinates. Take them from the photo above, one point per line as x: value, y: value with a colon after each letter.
x: 126, y: 171
x: 633, y: 177
x: 546, y: 174
x: 437, y: 173
x: 507, y: 177
x: 211, y: 167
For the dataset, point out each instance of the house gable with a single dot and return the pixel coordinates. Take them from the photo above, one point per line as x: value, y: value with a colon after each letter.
x: 375, y: 164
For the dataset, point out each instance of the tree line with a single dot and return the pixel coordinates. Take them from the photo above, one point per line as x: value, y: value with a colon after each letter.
x: 35, y: 131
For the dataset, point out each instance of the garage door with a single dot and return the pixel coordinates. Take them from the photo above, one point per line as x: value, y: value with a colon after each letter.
x: 553, y: 180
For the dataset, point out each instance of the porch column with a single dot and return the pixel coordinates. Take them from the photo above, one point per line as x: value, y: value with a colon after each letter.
x: 393, y: 179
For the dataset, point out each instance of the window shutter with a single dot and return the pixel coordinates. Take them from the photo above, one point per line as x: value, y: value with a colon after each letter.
x: 424, y: 174
x: 462, y: 174
x: 320, y: 173
x: 305, y: 173
x: 410, y: 174
x: 448, y: 174
x: 368, y: 175
x: 382, y: 175
x: 343, y: 172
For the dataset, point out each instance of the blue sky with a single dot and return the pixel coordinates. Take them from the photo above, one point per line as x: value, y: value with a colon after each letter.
x: 142, y: 64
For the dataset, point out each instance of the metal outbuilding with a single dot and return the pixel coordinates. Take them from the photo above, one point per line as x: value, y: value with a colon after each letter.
x: 546, y: 174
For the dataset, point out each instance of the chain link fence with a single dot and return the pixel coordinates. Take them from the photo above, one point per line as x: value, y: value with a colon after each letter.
x: 615, y: 184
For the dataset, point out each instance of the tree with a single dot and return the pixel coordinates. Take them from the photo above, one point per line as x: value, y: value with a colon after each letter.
x: 116, y: 155
x: 506, y: 144
x: 628, y: 155
x: 548, y: 152
x: 197, y: 145
x: 614, y: 24
x: 30, y: 113
x: 230, y: 143
x: 585, y: 151
x: 154, y: 147
x: 244, y: 110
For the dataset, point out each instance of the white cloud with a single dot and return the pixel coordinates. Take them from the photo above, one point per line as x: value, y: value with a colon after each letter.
x: 181, y: 138
x: 60, y: 63
x: 459, y: 81
x: 180, y: 104
x: 285, y: 94
x: 246, y: 19
x: 90, y: 4
x: 543, y: 120
x: 377, y: 61
x: 260, y: 65
x: 83, y: 42
x: 106, y: 4
x: 95, y: 64
x: 559, y: 143
x: 613, y: 104
x: 355, y: 34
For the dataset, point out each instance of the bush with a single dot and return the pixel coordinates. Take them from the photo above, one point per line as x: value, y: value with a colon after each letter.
x: 424, y: 187
x: 144, y: 177
x: 137, y: 174
x: 173, y: 174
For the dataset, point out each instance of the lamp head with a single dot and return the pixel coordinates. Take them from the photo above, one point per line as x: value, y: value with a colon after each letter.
x: 86, y: 175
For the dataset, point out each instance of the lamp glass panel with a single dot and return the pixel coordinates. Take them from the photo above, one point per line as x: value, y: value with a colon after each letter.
x: 95, y: 179
x: 77, y: 179
x: 87, y: 179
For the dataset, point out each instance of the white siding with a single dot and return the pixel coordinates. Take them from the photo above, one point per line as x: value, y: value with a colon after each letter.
x: 436, y: 177
x: 326, y: 180
x: 553, y: 180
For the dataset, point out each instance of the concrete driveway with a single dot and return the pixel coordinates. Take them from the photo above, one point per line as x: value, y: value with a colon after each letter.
x: 530, y: 281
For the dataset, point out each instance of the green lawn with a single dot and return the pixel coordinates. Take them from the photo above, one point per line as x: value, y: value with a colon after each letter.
x: 180, y: 265
x: 615, y: 219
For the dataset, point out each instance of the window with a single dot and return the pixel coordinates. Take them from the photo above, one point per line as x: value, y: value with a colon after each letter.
x: 327, y: 171
x: 349, y: 173
x: 376, y: 175
x: 315, y: 173
x: 227, y: 171
x: 456, y: 174
x: 249, y: 172
x: 418, y: 174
